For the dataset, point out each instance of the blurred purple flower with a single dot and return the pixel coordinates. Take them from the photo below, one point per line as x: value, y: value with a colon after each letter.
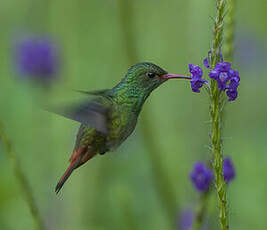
x: 201, y: 177
x: 250, y: 50
x: 228, y: 169
x: 196, y: 81
x: 186, y: 219
x: 36, y: 57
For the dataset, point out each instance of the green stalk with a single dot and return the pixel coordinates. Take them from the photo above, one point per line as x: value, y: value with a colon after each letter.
x: 216, y: 107
x: 217, y: 121
x: 216, y: 143
x: 22, y: 180
x: 161, y: 180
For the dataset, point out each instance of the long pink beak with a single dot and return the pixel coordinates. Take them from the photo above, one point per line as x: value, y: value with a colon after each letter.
x: 174, y: 76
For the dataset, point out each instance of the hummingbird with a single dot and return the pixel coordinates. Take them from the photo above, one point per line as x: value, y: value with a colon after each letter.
x: 111, y: 115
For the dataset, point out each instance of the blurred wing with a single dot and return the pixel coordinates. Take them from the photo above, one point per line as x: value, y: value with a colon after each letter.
x: 92, y: 113
x: 101, y: 92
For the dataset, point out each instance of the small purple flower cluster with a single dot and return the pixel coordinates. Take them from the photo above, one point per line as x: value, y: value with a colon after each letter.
x: 201, y: 176
x: 36, y: 57
x: 196, y: 81
x: 227, y: 78
x: 186, y: 219
x: 228, y: 170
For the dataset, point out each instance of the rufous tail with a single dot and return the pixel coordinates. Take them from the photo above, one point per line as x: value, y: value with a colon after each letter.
x: 78, y: 158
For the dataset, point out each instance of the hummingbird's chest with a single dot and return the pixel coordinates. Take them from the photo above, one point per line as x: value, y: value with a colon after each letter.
x: 121, y: 125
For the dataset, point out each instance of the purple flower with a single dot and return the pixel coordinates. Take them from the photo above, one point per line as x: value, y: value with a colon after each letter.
x: 233, y: 85
x: 226, y: 79
x: 36, y: 57
x: 186, y: 219
x: 223, y: 66
x: 196, y: 81
x: 228, y: 170
x: 221, y: 74
x: 214, y: 74
x: 201, y: 177
x: 232, y: 94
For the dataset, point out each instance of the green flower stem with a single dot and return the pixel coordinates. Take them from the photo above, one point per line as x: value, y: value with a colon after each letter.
x: 228, y: 55
x: 216, y: 142
x: 216, y: 107
x: 21, y: 179
x: 161, y: 180
x: 217, y: 34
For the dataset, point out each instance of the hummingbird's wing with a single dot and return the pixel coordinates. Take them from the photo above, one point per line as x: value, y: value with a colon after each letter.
x: 93, y: 113
x: 101, y: 92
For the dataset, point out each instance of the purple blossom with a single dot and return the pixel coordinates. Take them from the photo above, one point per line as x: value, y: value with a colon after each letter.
x: 226, y: 79
x: 201, y: 177
x: 214, y: 74
x: 186, y: 219
x: 233, y: 85
x: 228, y: 169
x: 232, y: 94
x: 223, y: 66
x: 36, y: 57
x: 196, y: 81
x: 221, y: 73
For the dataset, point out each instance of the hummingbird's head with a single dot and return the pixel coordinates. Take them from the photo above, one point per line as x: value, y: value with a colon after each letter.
x: 140, y: 80
x: 148, y: 76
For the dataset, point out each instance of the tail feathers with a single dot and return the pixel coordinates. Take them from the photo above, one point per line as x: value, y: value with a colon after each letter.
x: 67, y: 173
x: 78, y: 157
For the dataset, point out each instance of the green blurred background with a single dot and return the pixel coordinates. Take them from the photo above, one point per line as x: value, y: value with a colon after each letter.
x: 119, y: 190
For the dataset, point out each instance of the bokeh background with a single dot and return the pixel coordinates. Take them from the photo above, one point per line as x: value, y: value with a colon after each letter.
x: 145, y: 183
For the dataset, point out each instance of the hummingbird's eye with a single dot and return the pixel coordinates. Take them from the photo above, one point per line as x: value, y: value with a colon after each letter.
x: 151, y: 74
